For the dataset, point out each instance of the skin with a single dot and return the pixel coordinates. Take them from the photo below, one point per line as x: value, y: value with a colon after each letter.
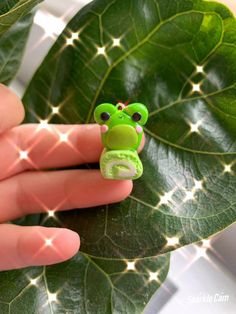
x: 23, y: 190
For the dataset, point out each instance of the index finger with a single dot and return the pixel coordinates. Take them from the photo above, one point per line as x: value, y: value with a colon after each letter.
x: 11, y: 109
x: 55, y: 146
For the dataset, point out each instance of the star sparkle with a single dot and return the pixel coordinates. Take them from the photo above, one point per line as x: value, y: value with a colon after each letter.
x: 71, y: 40
x: 174, y: 241
x: 23, y: 154
x: 116, y: 42
x: 101, y: 51
x: 228, y: 168
x: 189, y: 195
x: 33, y: 281
x: 43, y: 124
x: 55, y: 110
x: 200, y: 69
x: 51, y: 213
x: 131, y: 265
x: 200, y: 251
x: 52, y: 297
x: 194, y: 127
x: 166, y: 198
x: 196, y: 88
x: 198, y: 184
x: 206, y: 243
x: 153, y: 276
x: 48, y: 242
x: 64, y: 137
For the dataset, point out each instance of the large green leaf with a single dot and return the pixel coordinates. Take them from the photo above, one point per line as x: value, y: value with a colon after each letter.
x: 15, y: 22
x: 12, y: 44
x: 82, y: 285
x: 13, y: 10
x: 186, y: 192
x: 162, y: 43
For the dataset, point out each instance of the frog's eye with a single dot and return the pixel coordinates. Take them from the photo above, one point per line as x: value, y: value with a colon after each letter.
x: 137, y: 116
x: 138, y: 112
x: 103, y: 113
x: 105, y: 116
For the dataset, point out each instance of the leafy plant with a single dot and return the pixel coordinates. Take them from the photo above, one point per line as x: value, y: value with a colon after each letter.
x: 13, y: 10
x: 15, y: 22
x: 82, y: 285
x: 177, y: 57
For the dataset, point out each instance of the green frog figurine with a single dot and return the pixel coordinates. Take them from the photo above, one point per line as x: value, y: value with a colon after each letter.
x: 121, y: 130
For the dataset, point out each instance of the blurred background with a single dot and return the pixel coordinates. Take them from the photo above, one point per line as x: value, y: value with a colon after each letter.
x: 202, y: 279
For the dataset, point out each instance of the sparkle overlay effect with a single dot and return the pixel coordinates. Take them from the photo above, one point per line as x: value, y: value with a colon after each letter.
x: 166, y: 199
x: 194, y: 127
x: 131, y: 265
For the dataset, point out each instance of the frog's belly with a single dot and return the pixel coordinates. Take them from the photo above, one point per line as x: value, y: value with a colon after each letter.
x: 122, y: 137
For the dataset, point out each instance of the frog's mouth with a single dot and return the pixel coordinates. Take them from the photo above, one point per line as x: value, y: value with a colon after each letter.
x: 122, y: 137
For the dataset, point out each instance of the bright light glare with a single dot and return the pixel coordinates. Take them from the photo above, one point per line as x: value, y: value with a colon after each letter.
x: 23, y: 154
x: 200, y: 69
x: 72, y: 38
x: 131, y: 265
x: 166, y: 198
x: 172, y: 241
x: 55, y: 110
x: 33, y: 281
x: 228, y: 168
x: 194, y: 127
x: 196, y: 88
x: 101, y: 51
x: 116, y: 42
x: 48, y: 242
x: 43, y: 124
x: 51, y: 213
x: 198, y: 185
x: 153, y: 276
x: 189, y: 195
x: 52, y: 297
x: 64, y: 137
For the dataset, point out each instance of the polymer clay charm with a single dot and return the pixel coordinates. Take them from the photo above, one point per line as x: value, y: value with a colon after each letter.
x: 121, y: 131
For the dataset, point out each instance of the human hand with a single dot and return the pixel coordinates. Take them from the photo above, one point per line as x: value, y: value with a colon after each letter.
x: 25, y: 188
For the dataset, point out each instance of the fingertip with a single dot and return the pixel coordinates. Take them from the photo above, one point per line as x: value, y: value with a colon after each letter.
x: 68, y: 243
x: 12, y: 109
x: 127, y: 188
x: 120, y: 189
x: 141, y: 146
x: 46, y: 246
